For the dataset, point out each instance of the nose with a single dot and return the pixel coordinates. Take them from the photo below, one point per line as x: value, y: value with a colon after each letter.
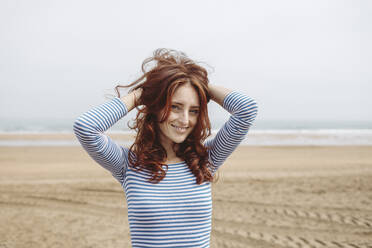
x: 184, y: 118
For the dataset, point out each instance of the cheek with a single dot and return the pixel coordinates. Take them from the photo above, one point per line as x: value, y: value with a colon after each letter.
x: 171, y: 117
x: 194, y: 120
x: 164, y: 126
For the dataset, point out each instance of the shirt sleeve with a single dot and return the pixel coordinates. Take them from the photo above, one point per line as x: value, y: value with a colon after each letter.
x: 243, y: 110
x: 89, y: 129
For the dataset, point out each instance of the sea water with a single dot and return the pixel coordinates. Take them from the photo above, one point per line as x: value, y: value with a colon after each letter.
x: 262, y: 133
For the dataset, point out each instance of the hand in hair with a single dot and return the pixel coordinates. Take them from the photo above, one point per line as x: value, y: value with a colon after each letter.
x: 131, y: 100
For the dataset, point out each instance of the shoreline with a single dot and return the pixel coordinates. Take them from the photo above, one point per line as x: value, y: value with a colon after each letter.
x: 55, y: 136
x: 254, y: 138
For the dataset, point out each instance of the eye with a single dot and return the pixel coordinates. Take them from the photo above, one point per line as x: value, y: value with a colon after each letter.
x: 175, y: 107
x: 194, y: 111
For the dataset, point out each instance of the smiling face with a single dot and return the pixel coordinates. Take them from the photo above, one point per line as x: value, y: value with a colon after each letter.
x: 183, y: 116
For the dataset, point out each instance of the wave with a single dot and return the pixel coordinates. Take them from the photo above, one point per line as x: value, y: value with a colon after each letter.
x: 269, y: 137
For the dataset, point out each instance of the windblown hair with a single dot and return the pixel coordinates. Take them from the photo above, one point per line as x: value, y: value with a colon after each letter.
x: 171, y: 69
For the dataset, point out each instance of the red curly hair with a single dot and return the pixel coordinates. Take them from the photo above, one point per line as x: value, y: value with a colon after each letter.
x: 171, y: 70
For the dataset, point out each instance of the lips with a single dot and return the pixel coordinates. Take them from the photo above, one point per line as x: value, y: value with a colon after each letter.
x: 179, y: 129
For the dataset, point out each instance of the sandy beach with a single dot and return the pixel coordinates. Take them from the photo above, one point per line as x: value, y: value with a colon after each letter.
x: 283, y: 196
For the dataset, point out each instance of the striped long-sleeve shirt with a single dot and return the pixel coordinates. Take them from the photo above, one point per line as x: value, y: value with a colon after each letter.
x: 176, y: 212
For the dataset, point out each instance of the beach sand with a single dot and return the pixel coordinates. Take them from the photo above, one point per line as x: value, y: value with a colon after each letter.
x: 264, y: 197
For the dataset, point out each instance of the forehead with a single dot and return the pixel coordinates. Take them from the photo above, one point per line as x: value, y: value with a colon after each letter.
x: 186, y: 95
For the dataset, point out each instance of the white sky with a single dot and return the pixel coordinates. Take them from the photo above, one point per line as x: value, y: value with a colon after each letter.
x: 301, y: 60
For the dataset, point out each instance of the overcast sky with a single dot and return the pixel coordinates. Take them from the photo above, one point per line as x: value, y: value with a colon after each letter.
x: 301, y: 60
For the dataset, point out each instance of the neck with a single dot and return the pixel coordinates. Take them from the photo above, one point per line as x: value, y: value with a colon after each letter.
x: 171, y: 154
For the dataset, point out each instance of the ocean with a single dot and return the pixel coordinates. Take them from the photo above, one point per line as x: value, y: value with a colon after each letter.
x: 262, y: 133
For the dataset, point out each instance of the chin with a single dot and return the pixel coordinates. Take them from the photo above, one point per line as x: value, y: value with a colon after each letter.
x: 179, y: 140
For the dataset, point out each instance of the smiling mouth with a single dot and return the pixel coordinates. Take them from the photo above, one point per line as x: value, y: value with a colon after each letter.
x: 181, y: 129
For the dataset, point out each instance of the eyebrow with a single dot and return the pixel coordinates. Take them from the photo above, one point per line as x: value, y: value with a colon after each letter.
x: 195, y: 106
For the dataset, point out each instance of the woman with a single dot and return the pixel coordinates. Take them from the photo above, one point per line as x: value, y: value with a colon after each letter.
x: 167, y: 173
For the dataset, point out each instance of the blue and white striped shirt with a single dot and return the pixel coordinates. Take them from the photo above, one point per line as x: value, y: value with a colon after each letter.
x: 176, y: 212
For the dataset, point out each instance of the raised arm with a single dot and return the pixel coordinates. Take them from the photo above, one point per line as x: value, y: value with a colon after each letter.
x: 243, y: 110
x: 89, y: 129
